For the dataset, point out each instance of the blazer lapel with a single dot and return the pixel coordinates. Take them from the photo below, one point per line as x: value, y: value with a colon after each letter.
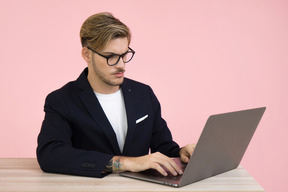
x: 92, y: 104
x: 129, y: 100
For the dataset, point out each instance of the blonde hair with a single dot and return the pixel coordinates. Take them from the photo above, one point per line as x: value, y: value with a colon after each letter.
x: 100, y: 28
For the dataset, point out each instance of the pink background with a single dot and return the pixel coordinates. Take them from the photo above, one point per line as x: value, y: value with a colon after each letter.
x: 200, y: 57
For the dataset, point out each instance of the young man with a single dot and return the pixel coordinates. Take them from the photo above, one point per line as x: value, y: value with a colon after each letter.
x: 104, y: 122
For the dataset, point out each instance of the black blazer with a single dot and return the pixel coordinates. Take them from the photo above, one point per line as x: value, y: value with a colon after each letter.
x: 76, y: 137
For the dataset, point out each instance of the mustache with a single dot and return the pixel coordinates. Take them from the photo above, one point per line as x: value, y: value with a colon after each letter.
x: 119, y: 71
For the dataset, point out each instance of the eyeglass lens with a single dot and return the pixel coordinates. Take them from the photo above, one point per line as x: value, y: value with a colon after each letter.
x: 115, y: 58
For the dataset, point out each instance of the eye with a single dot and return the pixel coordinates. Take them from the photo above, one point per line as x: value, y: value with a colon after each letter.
x: 112, y: 59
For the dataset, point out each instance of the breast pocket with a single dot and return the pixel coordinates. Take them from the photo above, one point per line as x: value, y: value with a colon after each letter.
x: 143, y: 129
x: 141, y: 119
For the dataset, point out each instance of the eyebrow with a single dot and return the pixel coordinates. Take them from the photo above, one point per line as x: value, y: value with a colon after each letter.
x: 111, y: 53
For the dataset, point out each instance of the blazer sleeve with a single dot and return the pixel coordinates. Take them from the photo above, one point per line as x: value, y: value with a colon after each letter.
x: 162, y: 140
x: 55, y: 152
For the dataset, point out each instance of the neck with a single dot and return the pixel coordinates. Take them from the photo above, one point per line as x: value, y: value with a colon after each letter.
x: 101, y: 87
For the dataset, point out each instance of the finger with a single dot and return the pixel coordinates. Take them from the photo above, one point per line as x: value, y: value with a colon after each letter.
x: 157, y: 167
x: 184, y: 158
x: 190, y: 149
x: 186, y: 152
x: 175, y: 166
x: 170, y: 165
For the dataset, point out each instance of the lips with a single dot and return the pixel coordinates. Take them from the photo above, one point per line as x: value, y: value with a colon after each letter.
x: 119, y: 73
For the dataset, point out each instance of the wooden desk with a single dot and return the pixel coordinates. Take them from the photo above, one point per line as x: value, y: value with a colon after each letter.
x: 25, y: 175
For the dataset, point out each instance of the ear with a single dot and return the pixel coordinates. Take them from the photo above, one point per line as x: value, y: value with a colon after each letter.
x: 86, y: 54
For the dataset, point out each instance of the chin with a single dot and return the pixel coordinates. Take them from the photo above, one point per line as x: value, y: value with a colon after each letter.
x: 120, y: 80
x: 117, y: 82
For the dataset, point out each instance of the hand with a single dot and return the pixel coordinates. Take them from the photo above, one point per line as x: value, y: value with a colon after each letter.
x: 156, y: 161
x: 186, y: 152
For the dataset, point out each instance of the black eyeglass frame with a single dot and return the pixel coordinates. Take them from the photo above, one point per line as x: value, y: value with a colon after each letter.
x: 108, y: 57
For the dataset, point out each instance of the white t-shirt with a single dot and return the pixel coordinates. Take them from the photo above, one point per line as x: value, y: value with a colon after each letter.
x: 114, y: 108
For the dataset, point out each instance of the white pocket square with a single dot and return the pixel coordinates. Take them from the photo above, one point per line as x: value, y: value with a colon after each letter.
x: 141, y: 119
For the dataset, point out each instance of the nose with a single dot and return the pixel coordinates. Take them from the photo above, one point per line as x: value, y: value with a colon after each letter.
x: 120, y: 63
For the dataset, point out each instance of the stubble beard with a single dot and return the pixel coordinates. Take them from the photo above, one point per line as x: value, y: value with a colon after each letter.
x: 104, y: 78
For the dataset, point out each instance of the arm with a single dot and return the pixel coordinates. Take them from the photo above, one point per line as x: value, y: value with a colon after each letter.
x: 162, y: 140
x: 152, y: 161
x: 55, y: 151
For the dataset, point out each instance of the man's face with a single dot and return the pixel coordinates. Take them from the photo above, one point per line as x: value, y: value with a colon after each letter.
x: 110, y: 75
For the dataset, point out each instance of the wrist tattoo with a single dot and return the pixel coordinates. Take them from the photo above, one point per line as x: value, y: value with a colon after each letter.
x: 109, y: 168
x: 117, y: 165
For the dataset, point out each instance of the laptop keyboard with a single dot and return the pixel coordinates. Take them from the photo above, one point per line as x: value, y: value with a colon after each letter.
x: 153, y: 172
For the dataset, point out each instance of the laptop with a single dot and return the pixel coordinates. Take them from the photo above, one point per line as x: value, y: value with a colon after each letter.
x: 220, y: 148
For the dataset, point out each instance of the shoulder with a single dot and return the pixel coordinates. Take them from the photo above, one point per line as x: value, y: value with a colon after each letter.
x: 72, y: 88
x: 64, y: 92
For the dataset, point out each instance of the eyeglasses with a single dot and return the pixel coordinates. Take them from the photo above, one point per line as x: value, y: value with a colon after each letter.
x: 114, y: 58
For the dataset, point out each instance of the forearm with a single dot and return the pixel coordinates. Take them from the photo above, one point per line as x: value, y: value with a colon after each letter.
x: 155, y: 161
x: 119, y: 163
x: 59, y: 158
